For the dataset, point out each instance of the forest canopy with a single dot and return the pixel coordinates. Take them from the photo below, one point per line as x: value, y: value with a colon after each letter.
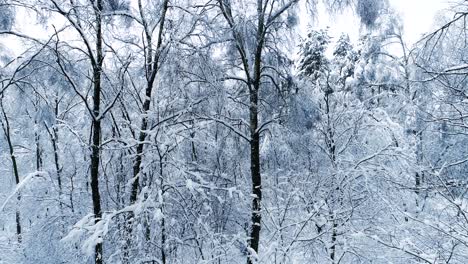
x: 230, y: 131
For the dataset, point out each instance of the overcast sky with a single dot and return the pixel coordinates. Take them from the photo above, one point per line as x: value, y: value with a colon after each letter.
x: 417, y: 15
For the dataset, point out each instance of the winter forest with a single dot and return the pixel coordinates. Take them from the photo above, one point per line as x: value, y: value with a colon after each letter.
x: 231, y: 131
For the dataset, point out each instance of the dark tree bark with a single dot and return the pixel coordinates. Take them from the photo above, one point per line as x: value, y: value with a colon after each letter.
x: 53, y: 135
x: 7, y: 131
x: 96, y: 59
x: 152, y: 70
x: 152, y: 64
x: 96, y: 127
x: 255, y: 139
x: 331, y: 147
x: 265, y: 18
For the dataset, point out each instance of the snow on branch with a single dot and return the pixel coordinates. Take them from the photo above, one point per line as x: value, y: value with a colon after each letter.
x: 28, y: 178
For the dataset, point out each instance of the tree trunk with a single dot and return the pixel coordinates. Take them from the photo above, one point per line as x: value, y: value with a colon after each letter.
x: 96, y: 128
x: 333, y: 241
x: 153, y: 68
x: 151, y: 71
x: 255, y: 140
x: 6, y: 130
x: 163, y: 221
x: 53, y: 137
x: 256, y: 178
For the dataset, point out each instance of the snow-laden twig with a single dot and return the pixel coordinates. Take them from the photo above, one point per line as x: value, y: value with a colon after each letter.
x: 22, y: 183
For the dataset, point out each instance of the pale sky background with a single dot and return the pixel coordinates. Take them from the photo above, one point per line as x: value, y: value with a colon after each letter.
x: 417, y: 15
